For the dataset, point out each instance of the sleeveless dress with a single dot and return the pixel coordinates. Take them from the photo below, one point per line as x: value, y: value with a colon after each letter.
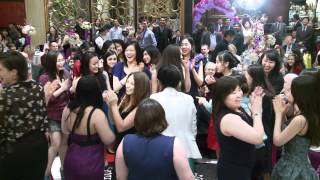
x: 236, y: 157
x: 294, y: 163
x: 149, y: 158
x: 85, y: 156
x: 120, y: 135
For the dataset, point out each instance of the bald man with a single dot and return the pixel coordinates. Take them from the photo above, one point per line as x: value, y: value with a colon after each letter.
x: 288, y: 78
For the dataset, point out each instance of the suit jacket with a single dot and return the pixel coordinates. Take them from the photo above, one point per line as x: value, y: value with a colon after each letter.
x: 196, y: 35
x: 205, y: 39
x: 147, y: 39
x: 280, y: 31
x: 293, y: 46
x: 239, y: 42
x: 174, y: 41
x: 305, y: 37
x: 80, y: 31
x: 222, y: 46
x: 226, y: 28
x: 297, y: 24
x: 163, y: 38
x: 181, y: 117
x: 217, y: 29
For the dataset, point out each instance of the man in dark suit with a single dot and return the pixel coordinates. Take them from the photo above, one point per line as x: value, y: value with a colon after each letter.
x: 305, y: 34
x: 210, y: 38
x: 206, y: 53
x: 177, y: 38
x: 196, y: 35
x: 79, y: 30
x: 238, y: 39
x: 279, y: 29
x: 227, y: 25
x: 297, y: 22
x: 223, y: 45
x: 163, y: 34
x: 219, y: 26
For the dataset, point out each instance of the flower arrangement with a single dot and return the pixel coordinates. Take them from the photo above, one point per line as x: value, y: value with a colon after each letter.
x: 86, y: 25
x: 29, y: 30
x: 203, y: 6
x: 250, y: 57
x: 72, y: 38
x: 270, y: 40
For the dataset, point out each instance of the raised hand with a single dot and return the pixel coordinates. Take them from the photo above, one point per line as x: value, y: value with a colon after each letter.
x: 256, y: 100
x: 209, y: 80
x: 65, y: 85
x: 279, y: 105
x: 110, y: 97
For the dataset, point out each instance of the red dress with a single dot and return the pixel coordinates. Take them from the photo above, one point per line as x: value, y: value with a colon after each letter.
x: 212, y: 137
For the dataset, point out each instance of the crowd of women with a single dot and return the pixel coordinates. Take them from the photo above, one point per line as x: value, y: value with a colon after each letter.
x: 81, y: 106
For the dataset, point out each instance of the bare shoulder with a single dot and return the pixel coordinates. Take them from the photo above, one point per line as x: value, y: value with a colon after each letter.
x: 299, y: 120
x: 228, y: 122
x: 230, y: 117
x: 301, y: 123
x: 98, y: 114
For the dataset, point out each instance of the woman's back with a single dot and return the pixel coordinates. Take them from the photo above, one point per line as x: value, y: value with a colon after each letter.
x: 149, y: 158
x: 83, y: 126
x: 85, y: 148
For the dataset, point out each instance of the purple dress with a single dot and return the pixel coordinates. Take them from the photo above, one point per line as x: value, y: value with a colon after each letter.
x: 85, y: 156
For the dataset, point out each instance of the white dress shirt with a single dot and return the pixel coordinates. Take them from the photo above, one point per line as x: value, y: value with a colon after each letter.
x: 181, y: 117
x: 101, y: 39
x: 116, y: 33
x: 213, y: 41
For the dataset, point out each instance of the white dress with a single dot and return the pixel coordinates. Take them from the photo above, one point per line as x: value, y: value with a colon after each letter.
x: 247, y: 34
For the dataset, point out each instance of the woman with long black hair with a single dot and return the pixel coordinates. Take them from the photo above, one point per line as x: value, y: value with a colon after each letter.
x: 58, y: 79
x: 87, y: 129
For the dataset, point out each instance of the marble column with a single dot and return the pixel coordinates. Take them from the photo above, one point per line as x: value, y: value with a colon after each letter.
x: 35, y: 15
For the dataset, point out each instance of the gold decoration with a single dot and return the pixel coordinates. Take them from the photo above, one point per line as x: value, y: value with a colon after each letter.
x: 63, y: 13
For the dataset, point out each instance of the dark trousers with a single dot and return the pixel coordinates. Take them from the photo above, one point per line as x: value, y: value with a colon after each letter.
x: 28, y: 159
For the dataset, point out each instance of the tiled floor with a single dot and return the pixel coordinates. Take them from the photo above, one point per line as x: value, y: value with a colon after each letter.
x: 205, y: 169
x: 56, y: 169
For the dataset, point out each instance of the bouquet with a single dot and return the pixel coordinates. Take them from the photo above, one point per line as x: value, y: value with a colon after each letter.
x: 73, y: 38
x: 86, y: 25
x: 250, y: 57
x: 270, y: 40
x: 29, y: 30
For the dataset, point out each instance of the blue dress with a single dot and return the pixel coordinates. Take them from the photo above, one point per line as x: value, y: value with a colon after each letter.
x: 294, y: 163
x: 149, y: 158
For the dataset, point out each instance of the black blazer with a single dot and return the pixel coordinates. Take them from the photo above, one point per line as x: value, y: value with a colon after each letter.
x: 163, y: 38
x: 80, y: 31
x: 297, y: 24
x: 306, y: 36
x: 293, y: 46
x: 222, y: 46
x: 205, y: 38
x: 174, y: 41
